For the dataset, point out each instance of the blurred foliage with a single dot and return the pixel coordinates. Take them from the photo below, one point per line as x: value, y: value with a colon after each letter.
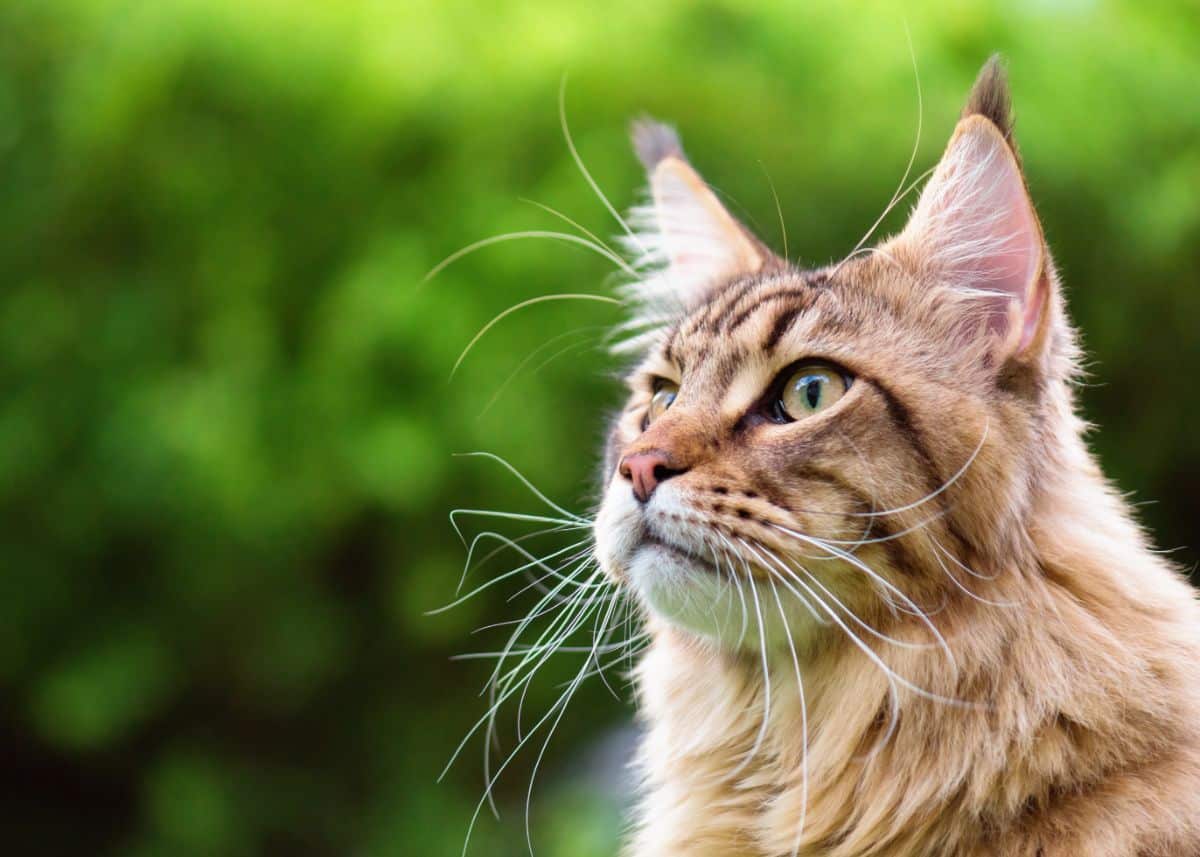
x: 226, y: 433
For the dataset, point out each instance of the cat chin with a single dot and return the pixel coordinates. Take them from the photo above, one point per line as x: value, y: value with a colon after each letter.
x: 693, y: 596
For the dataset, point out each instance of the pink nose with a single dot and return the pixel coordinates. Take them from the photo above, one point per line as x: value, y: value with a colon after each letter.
x: 646, y: 470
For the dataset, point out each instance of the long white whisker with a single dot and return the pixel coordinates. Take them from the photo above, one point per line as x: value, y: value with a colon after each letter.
x: 562, y: 119
x: 803, y: 719
x: 755, y: 550
x: 960, y: 564
x: 566, y: 699
x: 597, y: 635
x: 533, y: 355
x: 560, y: 705
x: 490, y: 734
x: 514, y: 544
x: 587, y: 232
x: 534, y: 561
x: 559, y: 525
x: 874, y: 658
x: 870, y: 572
x: 584, y: 606
x: 766, y: 716
x: 547, y: 234
x: 938, y: 549
x: 945, y: 485
x: 508, y: 689
x: 733, y: 578
x: 571, y: 516
x: 582, y: 555
x: 958, y: 474
x: 877, y: 634
x: 505, y: 543
x: 853, y: 544
x: 778, y: 208
x: 540, y: 299
x: 899, y: 193
x: 606, y: 649
x: 569, y: 612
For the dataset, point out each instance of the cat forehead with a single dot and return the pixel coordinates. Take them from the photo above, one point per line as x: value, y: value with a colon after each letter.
x: 769, y: 316
x: 752, y: 313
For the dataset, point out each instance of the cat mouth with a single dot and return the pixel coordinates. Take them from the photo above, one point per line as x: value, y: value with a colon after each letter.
x: 652, y: 541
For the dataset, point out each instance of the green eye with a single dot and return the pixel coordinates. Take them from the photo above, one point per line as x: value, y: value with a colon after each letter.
x: 664, y: 395
x: 812, y: 388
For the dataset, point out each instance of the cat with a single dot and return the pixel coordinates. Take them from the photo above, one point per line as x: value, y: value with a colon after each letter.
x: 894, y: 607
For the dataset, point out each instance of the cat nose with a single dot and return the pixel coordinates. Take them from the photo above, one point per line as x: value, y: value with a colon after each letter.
x: 646, y: 470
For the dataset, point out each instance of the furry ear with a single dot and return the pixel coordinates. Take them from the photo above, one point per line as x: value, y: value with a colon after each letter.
x: 974, y: 229
x: 684, y: 234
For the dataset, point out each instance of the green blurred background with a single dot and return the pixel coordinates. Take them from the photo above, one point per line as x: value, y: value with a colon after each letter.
x: 227, y: 430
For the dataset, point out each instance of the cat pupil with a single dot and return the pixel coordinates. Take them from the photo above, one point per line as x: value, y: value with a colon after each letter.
x: 813, y: 392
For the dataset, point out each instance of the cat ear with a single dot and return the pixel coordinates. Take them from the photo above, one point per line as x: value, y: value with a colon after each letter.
x: 684, y: 233
x: 975, y: 230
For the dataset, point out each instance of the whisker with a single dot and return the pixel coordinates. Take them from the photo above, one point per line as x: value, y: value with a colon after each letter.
x: 755, y: 550
x: 803, y: 719
x: 606, y: 649
x: 766, y: 717
x: 587, y: 232
x: 505, y: 543
x: 534, y: 354
x: 560, y: 525
x: 533, y: 561
x: 509, y: 687
x: 733, y: 554
x: 778, y: 208
x: 897, y: 195
x: 938, y: 549
x: 875, y: 659
x: 541, y: 586
x: 545, y: 234
x: 570, y: 516
x: 582, y: 556
x: 540, y: 299
x: 568, y: 695
x: 854, y: 617
x: 562, y: 120
x: 468, y: 566
x: 560, y: 629
x: 912, y: 528
x: 583, y: 343
x: 593, y: 656
x: 958, y: 474
x: 560, y: 707
x: 861, y: 566
x: 566, y: 609
x: 490, y: 735
x: 960, y: 564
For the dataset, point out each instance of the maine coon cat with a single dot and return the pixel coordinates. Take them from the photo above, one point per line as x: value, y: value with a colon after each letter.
x: 864, y: 491
x: 893, y: 606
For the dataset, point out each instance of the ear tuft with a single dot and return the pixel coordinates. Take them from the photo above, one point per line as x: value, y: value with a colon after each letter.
x: 683, y: 242
x: 990, y: 97
x: 654, y: 141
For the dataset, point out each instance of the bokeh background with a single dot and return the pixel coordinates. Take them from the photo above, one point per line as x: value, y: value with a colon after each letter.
x: 227, y: 426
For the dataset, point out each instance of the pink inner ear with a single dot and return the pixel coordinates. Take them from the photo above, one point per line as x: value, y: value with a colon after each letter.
x: 701, y: 239
x: 1018, y: 255
x: 975, y: 222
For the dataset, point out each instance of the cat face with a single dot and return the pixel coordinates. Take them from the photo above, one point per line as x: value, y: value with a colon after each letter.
x: 806, y: 448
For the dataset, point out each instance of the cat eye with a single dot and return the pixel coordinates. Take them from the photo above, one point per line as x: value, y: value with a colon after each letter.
x: 810, y: 389
x: 664, y: 395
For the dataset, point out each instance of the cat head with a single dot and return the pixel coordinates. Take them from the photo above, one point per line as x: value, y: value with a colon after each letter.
x: 803, y: 445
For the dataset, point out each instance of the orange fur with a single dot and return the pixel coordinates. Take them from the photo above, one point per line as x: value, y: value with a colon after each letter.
x: 1057, y: 719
